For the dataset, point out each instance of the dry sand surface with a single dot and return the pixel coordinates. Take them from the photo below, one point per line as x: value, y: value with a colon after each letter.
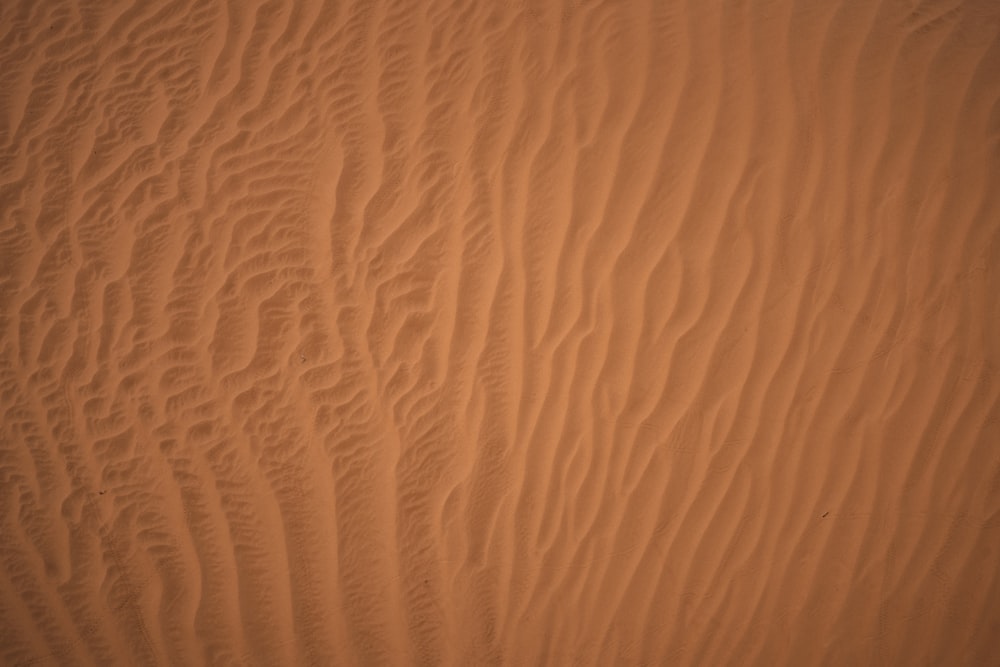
x: 500, y: 332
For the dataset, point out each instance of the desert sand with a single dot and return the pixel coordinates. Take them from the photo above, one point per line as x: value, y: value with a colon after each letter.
x: 506, y: 332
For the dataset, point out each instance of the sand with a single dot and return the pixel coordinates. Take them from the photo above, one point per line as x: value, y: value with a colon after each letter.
x: 500, y: 332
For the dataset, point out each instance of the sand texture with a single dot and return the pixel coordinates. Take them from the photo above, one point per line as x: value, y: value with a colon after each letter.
x: 500, y: 332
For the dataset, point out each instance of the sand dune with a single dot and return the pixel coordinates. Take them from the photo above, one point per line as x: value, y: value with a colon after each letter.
x: 513, y: 332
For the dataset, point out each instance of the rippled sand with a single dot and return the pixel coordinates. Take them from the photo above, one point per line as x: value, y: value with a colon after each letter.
x: 500, y: 332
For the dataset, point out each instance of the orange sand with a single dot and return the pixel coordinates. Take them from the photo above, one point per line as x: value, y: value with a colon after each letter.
x: 502, y: 332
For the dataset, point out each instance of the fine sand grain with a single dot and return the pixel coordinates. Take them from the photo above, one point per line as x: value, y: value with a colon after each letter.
x: 500, y: 332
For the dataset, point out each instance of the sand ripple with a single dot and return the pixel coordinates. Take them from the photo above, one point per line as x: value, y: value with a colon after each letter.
x: 513, y: 332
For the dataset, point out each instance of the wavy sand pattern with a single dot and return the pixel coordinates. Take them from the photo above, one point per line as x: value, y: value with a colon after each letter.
x: 509, y: 332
